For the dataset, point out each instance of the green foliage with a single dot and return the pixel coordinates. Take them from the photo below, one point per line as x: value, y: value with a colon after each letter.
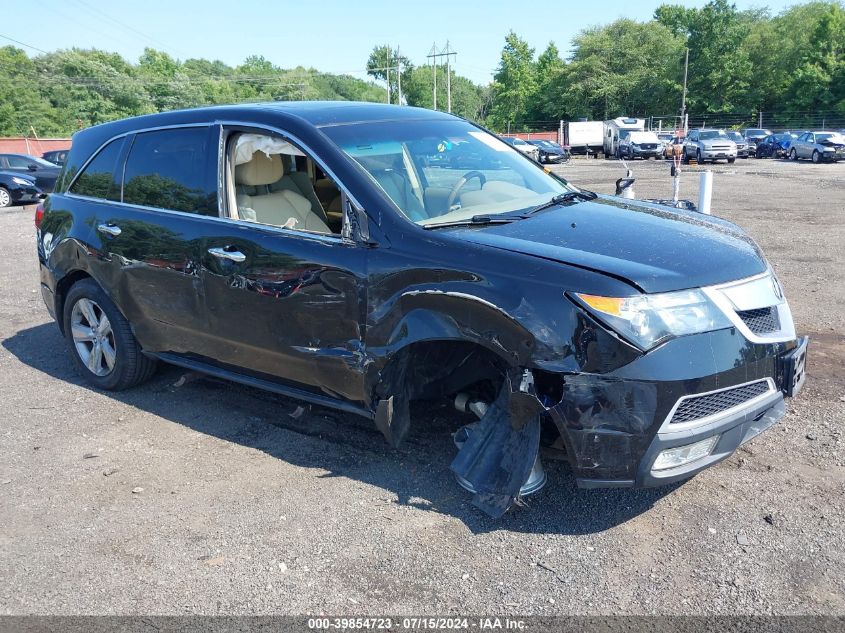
x: 515, y: 82
x: 57, y: 93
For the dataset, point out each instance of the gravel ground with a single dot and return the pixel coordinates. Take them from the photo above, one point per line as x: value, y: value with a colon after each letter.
x: 200, y: 496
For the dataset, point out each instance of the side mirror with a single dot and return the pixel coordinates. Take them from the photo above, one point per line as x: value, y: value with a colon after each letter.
x: 32, y: 167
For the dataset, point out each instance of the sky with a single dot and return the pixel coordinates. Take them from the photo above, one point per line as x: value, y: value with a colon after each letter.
x: 332, y: 36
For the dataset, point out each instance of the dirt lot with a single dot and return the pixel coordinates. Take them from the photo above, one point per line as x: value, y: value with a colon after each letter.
x: 209, y: 497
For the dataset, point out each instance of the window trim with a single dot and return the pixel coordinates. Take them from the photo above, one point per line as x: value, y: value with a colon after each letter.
x: 347, y: 197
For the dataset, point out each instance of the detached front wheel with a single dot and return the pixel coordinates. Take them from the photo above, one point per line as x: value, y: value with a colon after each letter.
x: 101, y: 341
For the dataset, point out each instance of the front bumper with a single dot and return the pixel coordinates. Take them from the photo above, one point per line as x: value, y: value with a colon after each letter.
x: 717, y: 154
x: 646, y: 153
x: 26, y: 195
x: 615, y: 425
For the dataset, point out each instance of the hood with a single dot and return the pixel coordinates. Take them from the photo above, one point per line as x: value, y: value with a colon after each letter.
x: 17, y: 174
x: 654, y: 248
x: 644, y: 137
x: 709, y: 142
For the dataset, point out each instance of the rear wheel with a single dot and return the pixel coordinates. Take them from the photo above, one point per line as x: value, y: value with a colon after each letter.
x: 101, y: 340
x: 5, y: 198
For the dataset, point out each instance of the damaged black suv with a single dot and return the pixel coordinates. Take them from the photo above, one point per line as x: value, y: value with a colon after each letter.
x: 361, y: 256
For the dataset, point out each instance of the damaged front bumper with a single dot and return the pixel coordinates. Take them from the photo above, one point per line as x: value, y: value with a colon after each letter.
x: 633, y: 427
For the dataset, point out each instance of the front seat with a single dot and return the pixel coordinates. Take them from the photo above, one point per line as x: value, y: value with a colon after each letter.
x: 397, y: 188
x: 257, y: 203
x: 299, y: 182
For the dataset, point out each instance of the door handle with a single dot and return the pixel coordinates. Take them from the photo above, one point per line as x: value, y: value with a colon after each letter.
x: 222, y: 253
x: 111, y: 229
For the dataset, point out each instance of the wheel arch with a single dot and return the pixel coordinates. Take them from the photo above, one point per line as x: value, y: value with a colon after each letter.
x: 63, y: 286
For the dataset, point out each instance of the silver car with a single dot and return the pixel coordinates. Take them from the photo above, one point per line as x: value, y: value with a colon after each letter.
x: 709, y: 144
x: 818, y: 147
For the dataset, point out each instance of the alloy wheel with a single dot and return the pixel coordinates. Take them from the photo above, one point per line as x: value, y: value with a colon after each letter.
x: 5, y: 198
x: 93, y: 337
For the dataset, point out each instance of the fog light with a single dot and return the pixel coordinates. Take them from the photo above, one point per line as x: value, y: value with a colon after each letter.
x: 685, y: 454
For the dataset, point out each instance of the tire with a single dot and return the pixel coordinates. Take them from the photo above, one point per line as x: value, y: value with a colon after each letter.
x: 85, y: 307
x: 816, y: 158
x: 698, y: 158
x: 731, y: 161
x: 5, y: 198
x: 793, y: 155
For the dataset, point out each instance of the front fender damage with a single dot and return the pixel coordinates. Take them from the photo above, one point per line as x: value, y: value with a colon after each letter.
x: 500, y: 450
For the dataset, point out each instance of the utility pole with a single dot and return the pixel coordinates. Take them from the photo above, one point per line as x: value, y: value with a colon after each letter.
x: 399, y: 74
x: 684, y: 97
x: 433, y: 55
x: 387, y: 70
x: 447, y: 53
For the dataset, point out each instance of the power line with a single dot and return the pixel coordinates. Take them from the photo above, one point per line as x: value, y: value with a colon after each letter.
x: 125, y: 26
x: 35, y: 48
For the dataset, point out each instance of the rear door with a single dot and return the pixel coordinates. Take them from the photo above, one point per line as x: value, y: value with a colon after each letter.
x: 148, y: 239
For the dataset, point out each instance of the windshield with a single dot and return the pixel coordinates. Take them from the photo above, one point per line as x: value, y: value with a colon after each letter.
x: 735, y: 136
x: 40, y: 161
x: 706, y: 134
x: 828, y: 136
x: 445, y: 171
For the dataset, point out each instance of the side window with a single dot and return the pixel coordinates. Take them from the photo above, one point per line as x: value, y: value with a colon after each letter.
x: 273, y: 182
x: 19, y: 162
x: 97, y: 179
x: 172, y: 169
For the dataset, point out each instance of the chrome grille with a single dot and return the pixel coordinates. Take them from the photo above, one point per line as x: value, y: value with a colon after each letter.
x: 698, y: 407
x: 761, y: 320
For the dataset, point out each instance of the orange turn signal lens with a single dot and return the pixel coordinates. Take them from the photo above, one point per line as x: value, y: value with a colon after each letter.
x: 608, y: 305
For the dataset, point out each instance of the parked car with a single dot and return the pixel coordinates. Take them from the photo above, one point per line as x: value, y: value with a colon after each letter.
x: 549, y: 151
x: 754, y: 135
x: 45, y: 173
x: 818, y: 146
x: 522, y: 146
x: 57, y: 157
x: 549, y: 312
x: 709, y: 144
x: 18, y: 188
x: 773, y: 146
x: 639, y: 145
x: 742, y: 150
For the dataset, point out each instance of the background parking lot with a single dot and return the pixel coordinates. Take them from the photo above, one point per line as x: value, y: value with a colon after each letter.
x: 192, y: 495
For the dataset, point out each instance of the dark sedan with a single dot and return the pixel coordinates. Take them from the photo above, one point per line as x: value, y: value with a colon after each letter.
x: 550, y: 152
x: 18, y: 189
x: 44, y: 172
x: 774, y: 146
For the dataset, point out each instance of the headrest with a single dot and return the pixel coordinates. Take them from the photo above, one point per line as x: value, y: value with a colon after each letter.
x: 261, y: 169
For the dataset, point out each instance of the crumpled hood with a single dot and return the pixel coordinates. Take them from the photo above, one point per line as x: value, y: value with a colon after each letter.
x: 654, y: 248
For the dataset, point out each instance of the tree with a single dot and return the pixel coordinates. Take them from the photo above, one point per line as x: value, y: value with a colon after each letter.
x: 382, y: 65
x: 514, y: 84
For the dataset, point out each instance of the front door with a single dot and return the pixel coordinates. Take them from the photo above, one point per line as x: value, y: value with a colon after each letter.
x: 288, y: 302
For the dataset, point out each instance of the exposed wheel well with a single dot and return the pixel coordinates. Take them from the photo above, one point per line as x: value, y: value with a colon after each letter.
x: 62, y: 288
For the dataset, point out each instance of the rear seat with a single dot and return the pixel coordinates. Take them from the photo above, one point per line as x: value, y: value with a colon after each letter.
x: 257, y: 203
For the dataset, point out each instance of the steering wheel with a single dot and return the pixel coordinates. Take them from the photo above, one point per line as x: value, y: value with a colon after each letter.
x: 463, y: 180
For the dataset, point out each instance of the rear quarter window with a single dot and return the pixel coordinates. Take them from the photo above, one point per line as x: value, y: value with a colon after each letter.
x: 172, y: 169
x: 98, y: 180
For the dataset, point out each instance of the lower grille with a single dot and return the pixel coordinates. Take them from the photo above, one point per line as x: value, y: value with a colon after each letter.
x: 761, y: 320
x: 698, y: 407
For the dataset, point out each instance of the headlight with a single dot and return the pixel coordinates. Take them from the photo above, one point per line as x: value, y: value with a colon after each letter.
x: 648, y: 320
x: 22, y: 181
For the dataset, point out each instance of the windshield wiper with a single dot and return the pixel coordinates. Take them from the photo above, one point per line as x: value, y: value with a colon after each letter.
x: 476, y: 220
x: 563, y: 197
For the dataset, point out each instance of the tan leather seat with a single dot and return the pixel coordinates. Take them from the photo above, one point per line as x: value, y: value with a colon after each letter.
x: 257, y: 203
x: 298, y: 182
